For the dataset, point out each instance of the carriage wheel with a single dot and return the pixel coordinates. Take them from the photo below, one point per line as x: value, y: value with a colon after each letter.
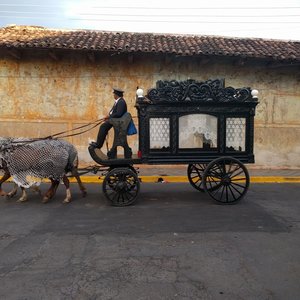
x: 195, y: 175
x: 121, y: 186
x: 226, y: 180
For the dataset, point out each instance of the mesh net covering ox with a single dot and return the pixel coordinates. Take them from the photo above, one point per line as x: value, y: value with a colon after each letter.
x: 29, y: 161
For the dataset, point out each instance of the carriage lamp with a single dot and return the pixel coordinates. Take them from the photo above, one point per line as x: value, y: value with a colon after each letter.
x: 139, y: 93
x: 254, y: 93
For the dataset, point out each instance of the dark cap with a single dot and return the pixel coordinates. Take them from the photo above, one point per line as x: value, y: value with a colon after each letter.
x: 118, y: 92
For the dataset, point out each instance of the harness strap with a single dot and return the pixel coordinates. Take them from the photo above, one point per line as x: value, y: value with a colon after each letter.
x: 57, y: 135
x: 90, y: 169
x: 96, y: 123
x: 68, y: 135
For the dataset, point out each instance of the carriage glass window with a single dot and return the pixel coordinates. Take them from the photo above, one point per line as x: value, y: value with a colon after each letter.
x: 160, y: 133
x: 235, y: 134
x: 198, y: 131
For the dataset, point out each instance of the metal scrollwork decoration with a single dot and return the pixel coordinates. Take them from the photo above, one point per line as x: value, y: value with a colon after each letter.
x: 191, y: 90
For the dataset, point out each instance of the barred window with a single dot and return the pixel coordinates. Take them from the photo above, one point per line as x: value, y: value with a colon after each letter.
x: 235, y: 134
x: 159, y: 133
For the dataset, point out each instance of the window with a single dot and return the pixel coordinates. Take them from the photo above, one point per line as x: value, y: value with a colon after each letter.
x: 235, y: 134
x: 159, y: 133
x: 198, y: 131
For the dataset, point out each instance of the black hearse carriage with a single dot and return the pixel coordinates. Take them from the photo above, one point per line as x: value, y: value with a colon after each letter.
x: 205, y: 125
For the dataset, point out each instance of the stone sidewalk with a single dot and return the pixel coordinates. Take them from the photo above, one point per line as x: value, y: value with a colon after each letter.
x: 181, y: 170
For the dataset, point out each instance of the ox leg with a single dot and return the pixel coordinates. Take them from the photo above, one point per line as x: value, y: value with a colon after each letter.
x: 23, y: 197
x: 13, y: 192
x: 51, y: 192
x: 3, y: 179
x: 68, y: 191
x: 81, y: 186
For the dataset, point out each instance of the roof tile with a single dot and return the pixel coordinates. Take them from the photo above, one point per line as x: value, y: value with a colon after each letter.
x: 189, y: 45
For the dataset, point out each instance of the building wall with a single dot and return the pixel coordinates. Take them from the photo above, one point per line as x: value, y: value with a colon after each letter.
x: 41, y: 96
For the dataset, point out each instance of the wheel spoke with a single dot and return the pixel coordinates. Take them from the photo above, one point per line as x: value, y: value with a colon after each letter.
x: 222, y: 168
x: 240, y: 185
x: 236, y: 174
x: 233, y: 195
x: 116, y: 195
x: 236, y: 190
x: 195, y: 175
x: 196, y: 181
x: 212, y: 180
x: 217, y: 175
x: 226, y: 188
x: 232, y: 171
x: 239, y: 179
x: 230, y: 165
x: 131, y: 193
x: 222, y: 192
x: 110, y: 193
x: 216, y: 188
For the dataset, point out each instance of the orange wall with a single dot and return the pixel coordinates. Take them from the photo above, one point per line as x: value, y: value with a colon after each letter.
x: 42, y: 96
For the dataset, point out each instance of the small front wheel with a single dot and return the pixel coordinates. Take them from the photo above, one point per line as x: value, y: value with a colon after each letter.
x: 121, y: 186
x: 226, y: 180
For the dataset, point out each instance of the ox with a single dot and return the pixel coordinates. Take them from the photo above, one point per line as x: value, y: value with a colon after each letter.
x: 28, y: 161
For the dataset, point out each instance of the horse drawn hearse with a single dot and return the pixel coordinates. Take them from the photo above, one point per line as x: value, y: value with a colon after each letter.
x: 205, y: 125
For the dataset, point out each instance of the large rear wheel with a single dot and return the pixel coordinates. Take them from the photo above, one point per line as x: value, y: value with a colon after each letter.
x: 226, y: 180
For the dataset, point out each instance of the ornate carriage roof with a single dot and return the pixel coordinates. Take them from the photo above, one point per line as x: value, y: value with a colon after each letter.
x: 210, y: 91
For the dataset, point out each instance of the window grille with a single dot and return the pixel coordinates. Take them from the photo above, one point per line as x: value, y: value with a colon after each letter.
x: 235, y: 134
x: 159, y: 133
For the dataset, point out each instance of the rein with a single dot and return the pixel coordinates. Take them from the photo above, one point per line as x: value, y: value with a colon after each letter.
x: 95, y: 123
x: 60, y: 135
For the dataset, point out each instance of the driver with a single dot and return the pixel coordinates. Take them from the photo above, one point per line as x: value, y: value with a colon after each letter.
x: 117, y: 111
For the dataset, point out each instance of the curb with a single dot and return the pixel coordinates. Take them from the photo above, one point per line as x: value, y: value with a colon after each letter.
x: 166, y: 179
x: 182, y: 179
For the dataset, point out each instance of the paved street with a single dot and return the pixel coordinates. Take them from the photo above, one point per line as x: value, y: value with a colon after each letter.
x: 175, y: 243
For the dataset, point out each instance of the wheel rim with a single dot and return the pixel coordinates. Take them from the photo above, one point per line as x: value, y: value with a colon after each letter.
x: 195, y: 175
x: 226, y: 180
x: 121, y: 186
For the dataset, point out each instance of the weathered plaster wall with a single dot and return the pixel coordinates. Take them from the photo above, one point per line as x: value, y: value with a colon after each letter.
x: 41, y: 96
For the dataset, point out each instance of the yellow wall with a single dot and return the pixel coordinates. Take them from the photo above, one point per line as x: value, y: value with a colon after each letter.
x: 42, y: 96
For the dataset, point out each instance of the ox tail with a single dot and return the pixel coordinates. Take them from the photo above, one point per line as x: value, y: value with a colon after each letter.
x: 72, y: 160
x: 72, y: 167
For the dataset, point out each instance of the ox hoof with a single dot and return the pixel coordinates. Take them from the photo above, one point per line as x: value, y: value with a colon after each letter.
x: 10, y: 194
x: 67, y: 201
x: 84, y: 193
x: 2, y: 193
x: 45, y: 200
x: 22, y: 199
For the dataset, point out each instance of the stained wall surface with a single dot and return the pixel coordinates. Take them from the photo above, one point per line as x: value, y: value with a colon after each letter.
x: 41, y: 96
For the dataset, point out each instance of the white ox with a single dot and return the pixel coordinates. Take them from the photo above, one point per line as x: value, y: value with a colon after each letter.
x: 28, y: 161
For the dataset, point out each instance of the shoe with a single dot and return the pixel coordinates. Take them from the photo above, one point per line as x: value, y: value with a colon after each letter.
x: 94, y: 144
